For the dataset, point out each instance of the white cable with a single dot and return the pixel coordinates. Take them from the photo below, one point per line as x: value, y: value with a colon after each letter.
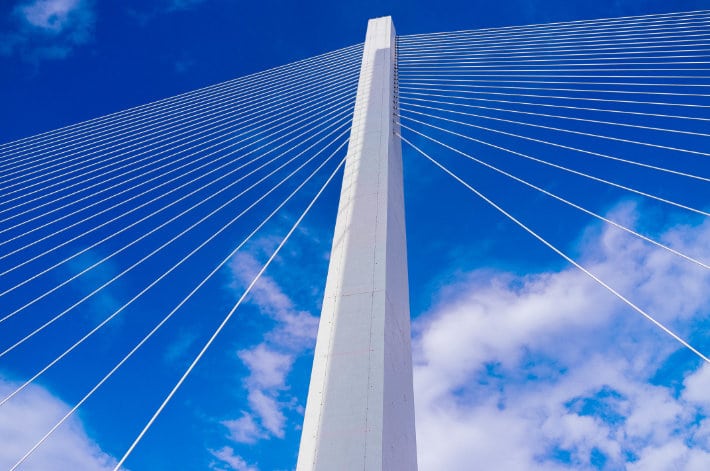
x: 572, y: 118
x: 240, y: 102
x: 557, y: 97
x: 266, y: 138
x: 199, y: 93
x: 226, y: 319
x: 590, y: 47
x: 563, y: 200
x: 569, y: 35
x: 248, y: 94
x: 571, y: 131
x: 65, y: 282
x: 262, y: 122
x: 555, y: 37
x: 595, y: 83
x: 467, y: 65
x: 263, y: 138
x: 546, y: 75
x: 135, y: 241
x: 247, y: 78
x: 559, y: 167
x: 168, y: 149
x: 252, y: 95
x: 172, y: 312
x: 549, y: 105
x: 123, y: 154
x: 596, y: 154
x: 503, y: 87
x: 153, y: 283
x: 258, y: 113
x: 663, y: 69
x: 533, y: 27
x: 579, y: 44
x: 155, y: 212
x: 547, y: 49
x: 204, y: 130
x: 241, y: 99
x: 563, y: 255
x: 511, y: 56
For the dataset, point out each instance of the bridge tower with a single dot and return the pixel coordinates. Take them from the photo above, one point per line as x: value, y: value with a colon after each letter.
x: 360, y: 411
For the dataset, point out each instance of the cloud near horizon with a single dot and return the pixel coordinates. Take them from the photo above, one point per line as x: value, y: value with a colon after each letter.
x: 551, y: 372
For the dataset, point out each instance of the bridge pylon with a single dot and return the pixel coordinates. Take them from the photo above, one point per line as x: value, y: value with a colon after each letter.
x: 360, y: 410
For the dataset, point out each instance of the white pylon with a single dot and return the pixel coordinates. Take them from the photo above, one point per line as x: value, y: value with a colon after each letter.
x: 360, y: 410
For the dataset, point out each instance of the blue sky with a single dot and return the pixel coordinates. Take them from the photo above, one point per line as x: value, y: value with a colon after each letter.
x: 521, y: 362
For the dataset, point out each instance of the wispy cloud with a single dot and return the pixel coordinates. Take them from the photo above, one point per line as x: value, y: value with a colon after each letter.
x: 550, y: 372
x: 49, y: 29
x: 227, y: 457
x: 244, y: 429
x: 53, y: 16
x: 269, y: 362
x: 27, y: 417
x: 697, y: 389
x: 268, y: 370
x: 295, y: 329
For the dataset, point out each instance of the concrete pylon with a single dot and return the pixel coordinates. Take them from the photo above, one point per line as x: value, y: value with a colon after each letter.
x: 360, y: 409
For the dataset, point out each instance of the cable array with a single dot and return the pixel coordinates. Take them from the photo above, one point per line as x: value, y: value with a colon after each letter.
x: 618, y: 107
x: 128, y: 205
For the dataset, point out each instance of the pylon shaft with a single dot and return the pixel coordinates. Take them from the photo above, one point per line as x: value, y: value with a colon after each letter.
x: 360, y: 411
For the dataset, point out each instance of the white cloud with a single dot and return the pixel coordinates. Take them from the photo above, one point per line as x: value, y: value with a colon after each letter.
x: 548, y: 371
x: 227, y: 457
x: 270, y: 361
x: 295, y: 329
x: 50, y: 29
x: 269, y: 410
x: 672, y: 455
x: 54, y: 16
x: 268, y: 368
x: 27, y: 417
x: 244, y: 429
x: 697, y: 387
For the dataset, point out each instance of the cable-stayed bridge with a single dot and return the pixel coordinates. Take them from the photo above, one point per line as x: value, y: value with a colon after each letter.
x: 121, y: 230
